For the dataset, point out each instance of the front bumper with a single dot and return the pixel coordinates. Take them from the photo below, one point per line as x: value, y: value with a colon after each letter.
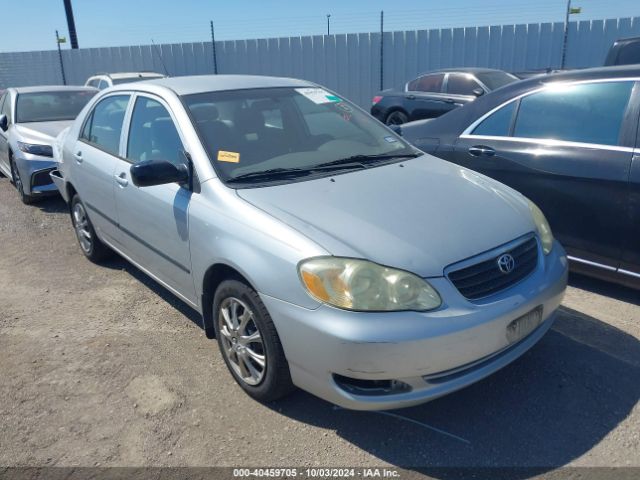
x: 433, y: 353
x: 34, y: 172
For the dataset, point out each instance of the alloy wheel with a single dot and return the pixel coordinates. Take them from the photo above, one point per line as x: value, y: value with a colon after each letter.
x: 81, y: 226
x: 242, y: 341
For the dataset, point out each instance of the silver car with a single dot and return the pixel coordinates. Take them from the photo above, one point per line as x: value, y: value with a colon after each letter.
x: 30, y: 120
x: 321, y: 249
x: 106, y: 80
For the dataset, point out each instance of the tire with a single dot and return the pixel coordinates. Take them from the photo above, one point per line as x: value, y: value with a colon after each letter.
x: 397, y: 117
x: 243, y: 358
x: 90, y: 244
x: 17, y: 182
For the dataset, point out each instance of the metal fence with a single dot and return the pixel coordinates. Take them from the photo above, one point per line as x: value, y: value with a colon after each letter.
x: 346, y: 63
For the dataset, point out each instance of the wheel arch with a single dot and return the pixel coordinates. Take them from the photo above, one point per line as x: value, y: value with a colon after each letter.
x: 395, y: 109
x: 213, y: 277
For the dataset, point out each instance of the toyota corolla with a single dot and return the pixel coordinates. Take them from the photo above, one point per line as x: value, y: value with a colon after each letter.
x: 321, y: 249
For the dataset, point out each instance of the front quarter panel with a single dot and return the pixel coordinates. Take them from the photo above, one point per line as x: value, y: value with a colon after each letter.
x: 224, y: 229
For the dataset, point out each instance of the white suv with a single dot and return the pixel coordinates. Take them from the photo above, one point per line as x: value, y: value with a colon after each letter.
x: 105, y: 80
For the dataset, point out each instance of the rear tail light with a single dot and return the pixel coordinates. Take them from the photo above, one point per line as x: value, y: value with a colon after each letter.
x: 376, y: 99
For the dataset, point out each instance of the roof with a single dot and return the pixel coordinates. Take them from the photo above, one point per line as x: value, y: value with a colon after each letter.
x: 208, y: 83
x: 467, y: 70
x: 119, y: 75
x: 52, y: 88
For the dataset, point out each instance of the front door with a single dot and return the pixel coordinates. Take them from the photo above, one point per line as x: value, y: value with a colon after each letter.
x: 567, y: 150
x: 154, y: 227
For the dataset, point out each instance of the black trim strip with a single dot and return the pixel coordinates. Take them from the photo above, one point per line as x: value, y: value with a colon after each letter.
x: 138, y: 239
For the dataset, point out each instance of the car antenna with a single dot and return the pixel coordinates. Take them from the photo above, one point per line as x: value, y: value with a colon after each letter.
x: 157, y: 50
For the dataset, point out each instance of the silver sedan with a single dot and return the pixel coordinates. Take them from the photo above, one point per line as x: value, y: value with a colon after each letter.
x: 321, y: 249
x: 30, y: 120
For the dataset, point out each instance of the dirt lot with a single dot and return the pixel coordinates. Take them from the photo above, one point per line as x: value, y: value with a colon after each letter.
x: 101, y: 366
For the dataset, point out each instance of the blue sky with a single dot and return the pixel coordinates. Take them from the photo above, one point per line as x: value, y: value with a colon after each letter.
x: 133, y: 22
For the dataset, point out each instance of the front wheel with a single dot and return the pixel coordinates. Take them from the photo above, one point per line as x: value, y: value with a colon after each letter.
x: 249, y: 342
x: 17, y: 181
x: 89, y: 242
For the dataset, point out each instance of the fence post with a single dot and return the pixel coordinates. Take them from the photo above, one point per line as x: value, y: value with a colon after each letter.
x: 64, y: 79
x: 213, y: 44
x: 566, y: 35
x: 381, y: 49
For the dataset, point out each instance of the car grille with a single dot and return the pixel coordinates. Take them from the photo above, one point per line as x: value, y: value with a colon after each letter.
x: 485, y: 278
x: 41, y: 178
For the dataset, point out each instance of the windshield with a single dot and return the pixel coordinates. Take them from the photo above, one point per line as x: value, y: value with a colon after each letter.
x: 274, y: 129
x: 495, y: 80
x: 137, y: 78
x: 51, y: 106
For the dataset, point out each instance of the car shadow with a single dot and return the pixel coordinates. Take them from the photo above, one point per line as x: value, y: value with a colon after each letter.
x: 53, y: 204
x: 546, y: 409
x: 602, y: 287
x: 549, y: 407
x: 118, y: 263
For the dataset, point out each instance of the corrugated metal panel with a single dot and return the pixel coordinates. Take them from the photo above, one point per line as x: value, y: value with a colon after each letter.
x: 347, y: 63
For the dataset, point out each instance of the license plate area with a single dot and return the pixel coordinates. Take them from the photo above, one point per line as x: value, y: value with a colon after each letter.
x: 524, y: 325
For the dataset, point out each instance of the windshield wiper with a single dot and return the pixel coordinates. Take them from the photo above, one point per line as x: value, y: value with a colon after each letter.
x: 269, y: 174
x: 362, y: 160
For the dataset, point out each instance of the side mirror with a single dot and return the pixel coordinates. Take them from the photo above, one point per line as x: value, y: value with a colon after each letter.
x: 158, y: 172
x: 4, y: 123
x: 478, y: 92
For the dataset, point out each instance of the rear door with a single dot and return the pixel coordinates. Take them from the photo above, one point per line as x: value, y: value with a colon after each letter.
x: 153, y: 220
x: 569, y: 149
x: 5, y: 109
x: 425, y: 97
x: 94, y: 160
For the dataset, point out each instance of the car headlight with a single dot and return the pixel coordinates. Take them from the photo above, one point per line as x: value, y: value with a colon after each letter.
x: 544, y: 230
x: 354, y: 284
x: 36, y: 149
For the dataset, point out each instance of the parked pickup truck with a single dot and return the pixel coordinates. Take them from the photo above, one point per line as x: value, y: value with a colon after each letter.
x: 625, y: 51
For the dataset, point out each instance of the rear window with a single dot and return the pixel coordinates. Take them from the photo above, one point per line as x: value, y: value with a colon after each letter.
x: 495, y: 80
x: 51, y: 106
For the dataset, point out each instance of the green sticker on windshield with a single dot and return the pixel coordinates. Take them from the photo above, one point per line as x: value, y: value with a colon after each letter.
x: 318, y: 95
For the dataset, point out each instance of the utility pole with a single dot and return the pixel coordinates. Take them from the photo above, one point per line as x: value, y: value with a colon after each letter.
x: 60, y: 40
x: 381, y: 50
x: 328, y: 24
x: 73, y: 36
x: 213, y: 44
x: 570, y: 11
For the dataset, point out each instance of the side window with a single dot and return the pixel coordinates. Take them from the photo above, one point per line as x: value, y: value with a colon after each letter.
x: 461, y: 84
x: 104, y: 126
x: 589, y: 113
x: 152, y: 134
x: 498, y: 123
x: 427, y: 83
x: 103, y: 84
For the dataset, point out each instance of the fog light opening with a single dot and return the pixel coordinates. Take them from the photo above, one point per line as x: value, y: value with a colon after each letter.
x: 357, y: 386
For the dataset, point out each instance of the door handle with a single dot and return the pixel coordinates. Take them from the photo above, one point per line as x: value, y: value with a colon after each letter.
x: 78, y: 156
x: 410, y: 97
x: 448, y: 100
x: 122, y: 179
x: 481, y: 150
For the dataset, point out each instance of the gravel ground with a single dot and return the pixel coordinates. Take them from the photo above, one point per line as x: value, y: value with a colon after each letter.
x: 101, y: 366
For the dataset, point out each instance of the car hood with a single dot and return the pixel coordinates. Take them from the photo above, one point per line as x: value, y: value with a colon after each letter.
x: 41, y: 131
x: 419, y: 215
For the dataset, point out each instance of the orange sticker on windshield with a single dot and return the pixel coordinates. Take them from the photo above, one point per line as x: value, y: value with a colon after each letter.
x: 232, y: 157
